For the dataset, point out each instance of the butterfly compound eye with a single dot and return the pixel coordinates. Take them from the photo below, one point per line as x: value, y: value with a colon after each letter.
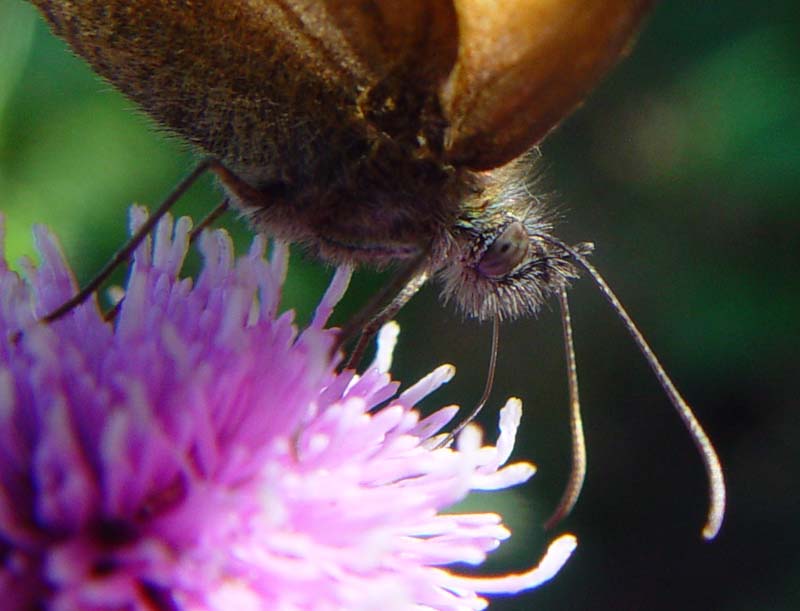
x: 507, y: 251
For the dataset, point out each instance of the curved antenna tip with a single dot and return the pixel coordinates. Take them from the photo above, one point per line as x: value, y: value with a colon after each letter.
x: 716, y: 507
x: 711, y: 463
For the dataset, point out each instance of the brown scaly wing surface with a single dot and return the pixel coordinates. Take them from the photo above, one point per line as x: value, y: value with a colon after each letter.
x: 524, y: 65
x: 280, y: 89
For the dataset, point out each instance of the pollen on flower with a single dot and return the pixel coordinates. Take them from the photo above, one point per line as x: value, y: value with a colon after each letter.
x: 203, y: 453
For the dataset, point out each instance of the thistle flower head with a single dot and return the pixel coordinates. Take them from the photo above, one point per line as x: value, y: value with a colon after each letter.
x: 202, y: 453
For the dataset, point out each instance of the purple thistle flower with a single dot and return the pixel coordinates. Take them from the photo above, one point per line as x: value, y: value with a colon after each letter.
x: 201, y: 453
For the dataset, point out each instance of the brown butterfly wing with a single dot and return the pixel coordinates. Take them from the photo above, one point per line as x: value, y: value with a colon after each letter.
x: 293, y: 90
x: 280, y: 89
x: 523, y: 65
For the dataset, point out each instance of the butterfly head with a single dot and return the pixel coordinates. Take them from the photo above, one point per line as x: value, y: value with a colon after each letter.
x: 504, y: 265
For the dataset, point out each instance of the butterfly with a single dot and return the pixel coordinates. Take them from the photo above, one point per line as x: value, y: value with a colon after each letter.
x: 381, y: 133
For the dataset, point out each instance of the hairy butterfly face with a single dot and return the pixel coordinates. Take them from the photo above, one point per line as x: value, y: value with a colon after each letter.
x: 502, y: 265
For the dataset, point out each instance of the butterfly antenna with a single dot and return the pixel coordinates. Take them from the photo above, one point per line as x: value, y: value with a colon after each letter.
x: 578, y: 471
x: 716, y: 480
x: 487, y: 389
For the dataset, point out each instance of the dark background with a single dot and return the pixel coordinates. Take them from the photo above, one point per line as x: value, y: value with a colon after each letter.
x: 683, y: 168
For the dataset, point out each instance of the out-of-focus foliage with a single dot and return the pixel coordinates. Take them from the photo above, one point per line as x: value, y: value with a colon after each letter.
x: 683, y: 168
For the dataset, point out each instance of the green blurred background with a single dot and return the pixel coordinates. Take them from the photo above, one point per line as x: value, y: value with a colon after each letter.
x: 683, y: 168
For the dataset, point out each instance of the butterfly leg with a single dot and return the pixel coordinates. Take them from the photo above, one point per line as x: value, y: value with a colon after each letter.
x: 374, y: 324
x: 220, y: 209
x: 124, y: 253
x: 209, y: 219
x: 368, y: 321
